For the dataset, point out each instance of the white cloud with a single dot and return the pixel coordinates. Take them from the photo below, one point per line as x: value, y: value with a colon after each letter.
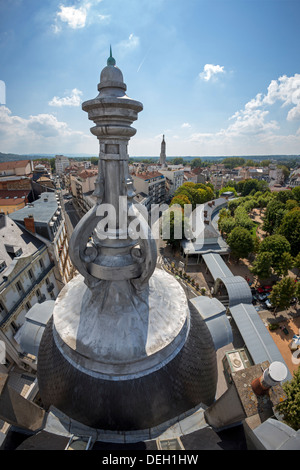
x: 285, y: 90
x: 74, y: 17
x: 73, y: 100
x: 210, y: 70
x: 131, y: 43
x: 37, y: 133
x: 186, y: 125
x: 252, y: 129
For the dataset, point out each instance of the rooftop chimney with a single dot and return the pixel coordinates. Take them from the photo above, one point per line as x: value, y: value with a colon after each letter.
x: 273, y: 375
x: 29, y: 223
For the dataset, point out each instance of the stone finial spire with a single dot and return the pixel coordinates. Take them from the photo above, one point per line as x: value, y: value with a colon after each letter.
x: 111, y: 60
x: 111, y: 255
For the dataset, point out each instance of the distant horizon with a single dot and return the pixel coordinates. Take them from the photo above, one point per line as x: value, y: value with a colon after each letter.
x: 87, y: 155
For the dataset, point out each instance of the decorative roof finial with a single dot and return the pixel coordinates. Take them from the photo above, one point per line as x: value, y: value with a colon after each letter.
x: 111, y: 60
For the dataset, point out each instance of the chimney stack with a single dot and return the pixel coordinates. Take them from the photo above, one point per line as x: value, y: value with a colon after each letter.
x: 273, y: 375
x: 29, y: 223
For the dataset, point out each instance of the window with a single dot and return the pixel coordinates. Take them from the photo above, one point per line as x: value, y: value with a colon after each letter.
x: 28, y: 306
x: 2, y: 308
x: 14, y: 326
x: 2, y: 266
x: 19, y: 287
x: 38, y: 293
x: 30, y: 274
x: 41, y: 263
x: 47, y: 281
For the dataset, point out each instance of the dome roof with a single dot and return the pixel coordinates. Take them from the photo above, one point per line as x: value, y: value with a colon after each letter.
x: 111, y: 76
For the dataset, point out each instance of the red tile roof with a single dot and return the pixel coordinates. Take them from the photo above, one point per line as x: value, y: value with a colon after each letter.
x: 149, y: 175
x: 13, y: 164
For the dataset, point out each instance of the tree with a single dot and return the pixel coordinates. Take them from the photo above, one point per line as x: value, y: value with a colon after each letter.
x: 262, y: 266
x: 282, y: 293
x: 290, y: 408
x: 296, y: 193
x: 273, y: 216
x: 276, y: 245
x: 177, y: 161
x: 196, y: 162
x: 228, y: 188
x: 250, y: 185
x: 285, y: 263
x: 297, y: 263
x: 197, y: 193
x: 290, y: 228
x: 173, y: 227
x: 285, y: 195
x: 240, y: 242
x: 291, y: 204
x: 181, y: 199
x: 285, y: 170
x: 232, y: 162
x: 226, y: 225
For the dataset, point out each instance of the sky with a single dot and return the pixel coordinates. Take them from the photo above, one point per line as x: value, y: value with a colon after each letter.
x: 216, y: 77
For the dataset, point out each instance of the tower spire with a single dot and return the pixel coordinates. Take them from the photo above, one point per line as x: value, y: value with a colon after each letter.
x: 111, y: 60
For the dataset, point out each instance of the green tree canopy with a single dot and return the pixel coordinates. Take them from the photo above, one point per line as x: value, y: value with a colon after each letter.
x: 284, y: 196
x: 290, y: 408
x: 240, y: 242
x: 275, y: 211
x: 290, y: 229
x: 232, y: 162
x: 282, y: 293
x: 262, y: 265
x: 173, y: 227
x: 177, y: 161
x: 196, y: 162
x: 296, y: 193
x: 276, y: 245
x: 228, y: 188
x: 197, y: 193
x: 181, y: 199
x: 283, y: 266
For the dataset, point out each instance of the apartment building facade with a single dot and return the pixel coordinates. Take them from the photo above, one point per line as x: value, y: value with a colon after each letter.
x: 44, y: 218
x: 152, y: 184
x: 27, y: 277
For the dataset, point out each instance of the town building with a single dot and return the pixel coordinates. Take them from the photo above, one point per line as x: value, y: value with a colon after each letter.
x: 15, y: 193
x: 83, y: 185
x: 41, y: 180
x: 61, y: 162
x: 44, y: 218
x: 16, y: 168
x: 153, y: 184
x: 294, y: 178
x: 11, y: 201
x: 174, y: 179
x: 27, y: 277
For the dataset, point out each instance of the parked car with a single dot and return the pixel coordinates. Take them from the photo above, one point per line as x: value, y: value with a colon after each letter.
x: 263, y: 289
x: 268, y: 304
x: 260, y: 290
x: 263, y: 297
x: 268, y: 288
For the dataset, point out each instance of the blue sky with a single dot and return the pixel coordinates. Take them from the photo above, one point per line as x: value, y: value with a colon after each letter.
x: 217, y: 77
